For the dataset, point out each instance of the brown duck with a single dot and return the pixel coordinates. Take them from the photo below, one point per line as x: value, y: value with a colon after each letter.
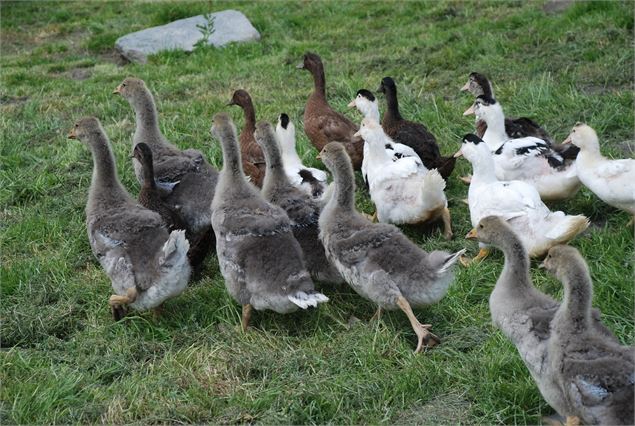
x: 253, y: 159
x: 322, y: 124
x: 415, y: 135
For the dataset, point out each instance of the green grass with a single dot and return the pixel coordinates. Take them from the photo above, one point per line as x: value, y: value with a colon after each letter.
x: 65, y: 361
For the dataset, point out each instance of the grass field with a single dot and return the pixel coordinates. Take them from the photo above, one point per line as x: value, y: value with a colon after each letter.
x: 63, y: 358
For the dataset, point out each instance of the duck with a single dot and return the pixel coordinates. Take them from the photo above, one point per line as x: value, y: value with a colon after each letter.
x: 146, y: 263
x: 403, y: 190
x: 309, y: 179
x: 251, y: 154
x: 517, y: 202
x: 366, y: 103
x: 322, y: 124
x: 593, y: 375
x: 185, y: 174
x: 529, y: 159
x: 303, y: 209
x: 612, y: 181
x: 519, y: 310
x: 364, y: 253
x: 415, y: 135
x: 261, y: 261
x: 150, y: 195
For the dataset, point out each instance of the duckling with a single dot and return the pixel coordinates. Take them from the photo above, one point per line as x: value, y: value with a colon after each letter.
x: 185, y: 174
x: 322, y: 124
x: 146, y: 264
x: 415, y: 135
x: 366, y: 103
x: 364, y: 252
x: 259, y: 258
x: 519, y: 310
x: 403, y: 190
x: 150, y: 196
x: 529, y: 159
x: 251, y: 154
x: 302, y: 209
x: 516, y: 202
x: 613, y: 181
x: 594, y: 375
x: 309, y: 179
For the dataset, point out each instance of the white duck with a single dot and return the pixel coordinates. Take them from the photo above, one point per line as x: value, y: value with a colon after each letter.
x: 529, y: 159
x: 403, y: 190
x: 309, y: 179
x: 516, y: 202
x: 366, y: 104
x: 613, y: 181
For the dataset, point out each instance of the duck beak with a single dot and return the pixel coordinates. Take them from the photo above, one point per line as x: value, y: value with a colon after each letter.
x: 469, y: 111
x: 300, y: 66
x: 71, y: 134
x: 542, y: 265
x: 357, y: 134
x: 117, y: 90
x: 471, y: 235
x: 458, y: 154
x: 567, y: 140
x: 466, y: 87
x: 317, y: 157
x: 230, y: 103
x: 351, y: 104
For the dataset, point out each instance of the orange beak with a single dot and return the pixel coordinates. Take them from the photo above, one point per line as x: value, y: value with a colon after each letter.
x: 117, y: 90
x: 469, y: 111
x: 471, y: 235
x: 71, y: 134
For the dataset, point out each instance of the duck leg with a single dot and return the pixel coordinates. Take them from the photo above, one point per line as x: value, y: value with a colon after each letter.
x: 482, y: 254
x: 117, y: 303
x: 447, y: 224
x: 246, y: 316
x: 377, y: 315
x: 424, y: 337
x: 572, y: 421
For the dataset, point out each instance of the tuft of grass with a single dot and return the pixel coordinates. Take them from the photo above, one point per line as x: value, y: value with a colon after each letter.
x: 65, y: 361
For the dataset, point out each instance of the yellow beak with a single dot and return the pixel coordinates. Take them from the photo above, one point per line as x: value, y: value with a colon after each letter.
x: 472, y: 234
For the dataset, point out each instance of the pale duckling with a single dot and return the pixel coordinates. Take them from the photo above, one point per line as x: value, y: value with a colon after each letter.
x: 516, y: 202
x: 364, y: 252
x: 594, y: 375
x: 146, y: 264
x: 613, y: 181
x: 309, y: 179
x: 529, y: 158
x: 261, y: 261
x: 403, y: 190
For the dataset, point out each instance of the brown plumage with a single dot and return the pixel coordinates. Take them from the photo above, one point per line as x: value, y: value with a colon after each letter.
x: 322, y: 124
x: 252, y: 157
x: 415, y: 135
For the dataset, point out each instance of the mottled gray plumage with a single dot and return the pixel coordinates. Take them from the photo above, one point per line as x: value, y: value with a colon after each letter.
x: 302, y: 209
x: 594, y: 375
x: 131, y: 242
x: 376, y: 259
x: 259, y: 258
x: 190, y: 178
x: 518, y: 309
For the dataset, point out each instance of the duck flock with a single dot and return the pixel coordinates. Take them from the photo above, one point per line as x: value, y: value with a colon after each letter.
x: 277, y: 227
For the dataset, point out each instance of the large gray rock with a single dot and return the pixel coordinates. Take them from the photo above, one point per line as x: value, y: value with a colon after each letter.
x: 229, y: 26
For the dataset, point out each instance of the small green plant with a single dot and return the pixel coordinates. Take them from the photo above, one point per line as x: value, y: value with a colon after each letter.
x: 206, y: 29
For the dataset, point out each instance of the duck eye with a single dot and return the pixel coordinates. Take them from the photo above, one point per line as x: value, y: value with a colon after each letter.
x: 76, y: 125
x: 480, y: 226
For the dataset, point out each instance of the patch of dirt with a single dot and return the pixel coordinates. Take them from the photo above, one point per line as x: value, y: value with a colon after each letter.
x: 115, y: 57
x: 442, y: 410
x: 11, y: 100
x: 627, y: 147
x: 80, y: 73
x: 556, y: 6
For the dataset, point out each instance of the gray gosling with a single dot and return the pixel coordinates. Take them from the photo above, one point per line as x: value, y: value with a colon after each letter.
x: 364, y: 253
x: 146, y: 264
x: 259, y: 258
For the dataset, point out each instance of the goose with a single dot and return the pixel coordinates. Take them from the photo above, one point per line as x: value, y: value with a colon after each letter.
x: 593, y: 375
x: 613, y: 181
x: 529, y: 159
x: 521, y: 311
x: 146, y: 264
x: 516, y: 202
x: 303, y: 210
x: 322, y: 124
x: 261, y: 261
x: 185, y: 174
x: 415, y: 135
x: 403, y: 190
x: 366, y: 104
x: 252, y: 157
x: 364, y: 253
x: 309, y: 179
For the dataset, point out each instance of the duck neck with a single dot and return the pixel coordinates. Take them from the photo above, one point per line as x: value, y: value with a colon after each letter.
x: 575, y: 310
x: 372, y: 112
x: 275, y: 174
x: 344, y: 186
x: 392, y: 105
x: 515, y: 275
x: 495, y: 134
x: 148, y: 174
x: 232, y: 166
x: 377, y: 152
x: 250, y: 118
x: 147, y: 118
x: 484, y: 169
x: 105, y: 182
x: 319, y: 81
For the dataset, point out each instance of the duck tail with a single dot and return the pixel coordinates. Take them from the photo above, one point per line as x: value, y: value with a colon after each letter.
x: 433, y: 186
x: 174, y: 250
x: 567, y: 227
x: 450, y: 261
x: 306, y: 299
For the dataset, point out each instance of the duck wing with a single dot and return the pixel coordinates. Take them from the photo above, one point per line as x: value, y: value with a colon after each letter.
x: 523, y: 126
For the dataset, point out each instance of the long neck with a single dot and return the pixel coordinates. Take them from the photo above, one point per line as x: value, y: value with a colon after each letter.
x: 105, y: 182
x: 495, y: 134
x: 147, y: 117
x: 484, y: 169
x: 575, y: 310
x: 515, y: 275
x: 275, y: 174
x: 319, y: 81
x: 392, y: 103
x: 232, y: 166
x: 589, y: 156
x: 344, y: 186
x: 372, y: 111
x: 377, y: 152
x: 250, y: 117
x: 148, y: 174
